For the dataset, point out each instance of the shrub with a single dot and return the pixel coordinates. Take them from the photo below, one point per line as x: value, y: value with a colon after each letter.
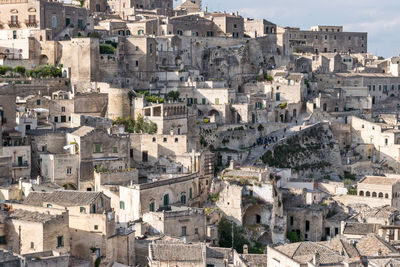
x: 20, y: 69
x: 260, y: 128
x: 268, y: 78
x: 293, y: 237
x: 106, y: 49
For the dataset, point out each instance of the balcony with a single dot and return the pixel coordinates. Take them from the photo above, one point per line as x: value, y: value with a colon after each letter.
x: 31, y: 23
x: 20, y: 165
x: 13, y: 24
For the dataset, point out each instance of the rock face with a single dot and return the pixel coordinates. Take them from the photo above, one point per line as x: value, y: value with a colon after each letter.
x: 311, y: 151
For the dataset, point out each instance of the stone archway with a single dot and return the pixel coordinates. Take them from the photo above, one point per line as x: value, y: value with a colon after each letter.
x: 43, y: 59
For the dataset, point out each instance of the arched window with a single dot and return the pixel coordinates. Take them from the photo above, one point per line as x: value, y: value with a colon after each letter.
x: 368, y: 194
x: 183, y: 199
x: 361, y: 194
x: 140, y: 32
x: 128, y: 32
x: 386, y: 195
x: 100, y: 202
x: 179, y: 32
x: 373, y: 194
x: 380, y: 195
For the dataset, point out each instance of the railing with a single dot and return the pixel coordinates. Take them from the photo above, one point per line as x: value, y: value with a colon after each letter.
x: 20, y: 164
x: 30, y: 23
x: 13, y: 24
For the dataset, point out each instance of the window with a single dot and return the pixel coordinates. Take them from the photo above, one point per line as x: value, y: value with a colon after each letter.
x: 69, y: 170
x: 191, y: 193
x: 67, y: 21
x: 14, y: 19
x: 183, y: 199
x: 3, y: 240
x: 32, y: 245
x: 27, y: 127
x: 166, y: 200
x: 307, y: 226
x: 179, y: 32
x: 217, y: 101
x: 54, y: 22
x: 336, y: 230
x: 20, y: 161
x: 235, y: 26
x: 49, y: 205
x: 291, y: 220
x: 386, y: 142
x: 60, y: 241
x: 82, y: 210
x: 62, y: 109
x: 122, y: 205
x: 96, y: 227
x: 137, y: 63
x: 55, y: 119
x: 144, y: 156
x: 203, y: 101
x: 151, y: 49
x: 196, y: 231
x: 176, y: 140
x: 154, y: 139
x: 97, y: 148
x: 115, y: 149
x: 210, y: 34
x: 151, y: 207
x: 80, y: 24
x: 38, y: 102
x: 278, y: 96
x: 183, y: 230
x: 165, y: 139
x: 63, y: 118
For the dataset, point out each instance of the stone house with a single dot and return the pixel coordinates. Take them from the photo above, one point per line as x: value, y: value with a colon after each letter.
x: 30, y: 16
x: 250, y: 198
x: 20, y: 160
x: 90, y: 215
x: 231, y: 25
x: 179, y: 221
x: 171, y: 118
x: 30, y: 230
x: 384, y: 137
x: 323, y: 39
x: 193, y: 25
x: 259, y: 27
x: 97, y: 149
x: 377, y: 189
x: 158, y: 195
x: 61, y: 107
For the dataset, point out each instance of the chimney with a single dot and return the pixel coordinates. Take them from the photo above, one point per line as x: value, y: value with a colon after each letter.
x: 316, y: 259
x: 245, y: 249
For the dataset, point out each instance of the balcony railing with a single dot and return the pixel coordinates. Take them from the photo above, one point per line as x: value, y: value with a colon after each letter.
x: 13, y: 24
x: 20, y: 165
x: 31, y: 23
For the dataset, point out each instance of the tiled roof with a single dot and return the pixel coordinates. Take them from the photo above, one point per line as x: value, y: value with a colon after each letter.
x: 218, y: 253
x: 374, y: 245
x: 355, y: 228
x: 381, y: 212
x: 31, y: 216
x: 62, y: 197
x: 379, y: 180
x: 176, y: 252
x: 303, y: 252
x: 82, y: 131
x: 255, y: 260
x: 340, y: 245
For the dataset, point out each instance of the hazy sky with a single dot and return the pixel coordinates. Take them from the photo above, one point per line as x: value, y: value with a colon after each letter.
x: 380, y: 18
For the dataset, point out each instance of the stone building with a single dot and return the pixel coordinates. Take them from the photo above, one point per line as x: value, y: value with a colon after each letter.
x: 323, y: 39
x: 30, y: 230
x: 158, y: 195
x: 22, y: 17
x: 249, y: 197
x: 90, y: 215
x: 384, y: 190
x: 96, y: 149
x: 180, y: 221
x: 258, y: 28
x: 231, y: 25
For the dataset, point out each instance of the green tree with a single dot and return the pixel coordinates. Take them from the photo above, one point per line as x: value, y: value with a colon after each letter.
x: 225, y: 235
x: 174, y: 95
x: 293, y: 237
x: 20, y: 69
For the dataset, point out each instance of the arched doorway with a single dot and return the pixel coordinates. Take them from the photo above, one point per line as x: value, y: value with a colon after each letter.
x: 43, y: 59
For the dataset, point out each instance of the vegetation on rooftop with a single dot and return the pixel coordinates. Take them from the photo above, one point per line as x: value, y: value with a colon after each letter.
x: 138, y: 126
x: 107, y: 49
